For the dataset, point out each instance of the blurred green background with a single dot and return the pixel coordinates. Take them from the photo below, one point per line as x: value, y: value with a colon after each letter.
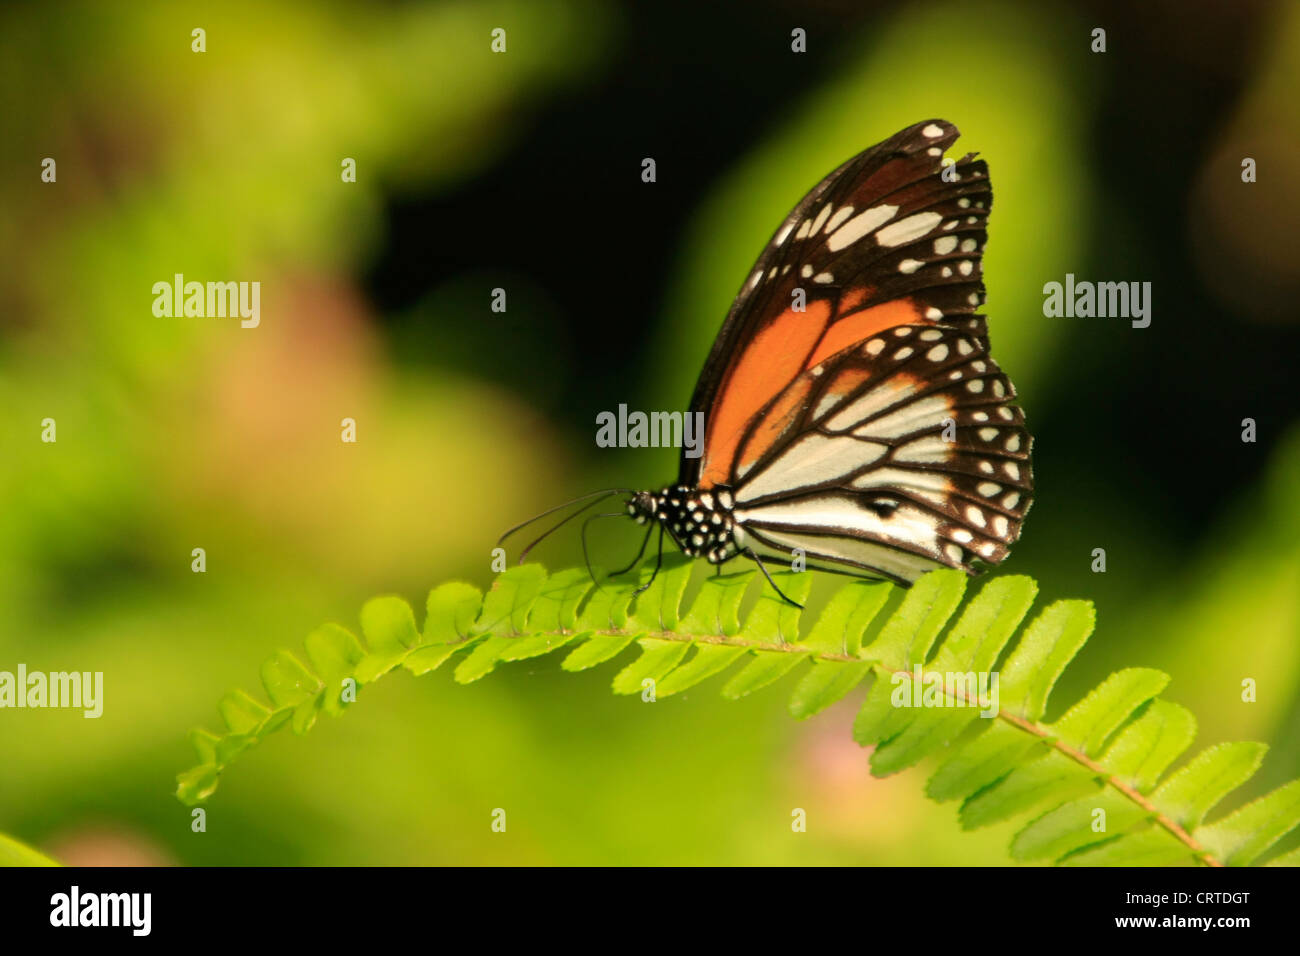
x: 522, y: 171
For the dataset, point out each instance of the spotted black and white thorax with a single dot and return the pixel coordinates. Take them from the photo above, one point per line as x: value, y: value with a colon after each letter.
x: 700, y: 522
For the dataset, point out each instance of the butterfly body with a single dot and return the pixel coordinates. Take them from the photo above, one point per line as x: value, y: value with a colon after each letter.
x: 853, y: 413
x: 701, y: 523
x: 854, y: 419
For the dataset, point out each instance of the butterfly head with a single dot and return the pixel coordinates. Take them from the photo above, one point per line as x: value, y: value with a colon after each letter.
x: 642, y: 506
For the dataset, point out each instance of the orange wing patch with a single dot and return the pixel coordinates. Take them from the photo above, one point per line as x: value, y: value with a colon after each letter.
x: 768, y: 365
x: 860, y: 326
x: 783, y: 414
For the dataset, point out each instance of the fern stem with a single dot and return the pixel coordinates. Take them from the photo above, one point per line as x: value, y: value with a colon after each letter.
x: 1130, y: 793
x: 1202, y: 855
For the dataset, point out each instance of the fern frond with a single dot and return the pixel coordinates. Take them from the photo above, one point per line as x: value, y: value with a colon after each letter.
x: 1095, y: 783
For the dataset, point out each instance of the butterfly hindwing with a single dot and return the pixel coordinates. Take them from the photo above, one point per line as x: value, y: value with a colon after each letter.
x: 904, y: 454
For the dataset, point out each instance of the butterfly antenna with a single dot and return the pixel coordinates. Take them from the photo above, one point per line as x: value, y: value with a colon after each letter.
x: 586, y: 557
x: 561, y: 523
x: 550, y: 511
x: 750, y: 553
x: 644, y: 542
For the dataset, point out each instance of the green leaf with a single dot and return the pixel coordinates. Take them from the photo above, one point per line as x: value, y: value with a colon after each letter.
x: 657, y: 658
x: 534, y: 646
x: 773, y: 615
x: 14, y: 853
x: 1286, y: 859
x: 451, y: 609
x: 1149, y: 846
x: 425, y: 659
x: 334, y: 653
x: 764, y: 669
x: 907, y: 636
x: 658, y: 607
x: 1071, y: 826
x: 505, y: 609
x: 287, y: 682
x: 986, y: 625
x: 197, y: 784
x: 1145, y: 748
x: 242, y: 714
x: 390, y: 631
x: 1193, y: 791
x: 709, y: 659
x: 994, y: 752
x: 595, y: 651
x: 556, y: 607
x: 846, y: 618
x: 1239, y: 838
x: 1050, y: 642
x: 1096, y: 781
x: 205, y: 744
x: 717, y: 607
x: 482, y: 659
x: 907, y: 735
x: 604, y: 610
x: 826, y: 683
x: 1089, y: 723
x: 1053, y: 777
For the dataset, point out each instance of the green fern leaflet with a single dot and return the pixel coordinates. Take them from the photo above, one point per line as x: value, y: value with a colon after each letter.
x: 1095, y: 785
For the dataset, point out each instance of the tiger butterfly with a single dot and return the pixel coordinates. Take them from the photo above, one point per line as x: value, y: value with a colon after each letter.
x: 852, y: 411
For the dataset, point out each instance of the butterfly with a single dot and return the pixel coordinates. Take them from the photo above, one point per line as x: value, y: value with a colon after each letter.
x: 854, y: 418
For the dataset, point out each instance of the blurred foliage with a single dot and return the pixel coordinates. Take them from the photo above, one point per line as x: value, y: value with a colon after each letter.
x: 175, y: 434
x: 13, y: 853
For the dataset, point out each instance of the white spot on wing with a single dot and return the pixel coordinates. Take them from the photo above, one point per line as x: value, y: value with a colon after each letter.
x: 861, y: 224
x: 838, y: 219
x: 886, y: 394
x: 912, y: 417
x: 929, y: 449
x: 820, y: 220
x: 811, y: 460
x: 907, y: 230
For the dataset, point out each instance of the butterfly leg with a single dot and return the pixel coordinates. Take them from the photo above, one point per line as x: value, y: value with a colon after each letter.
x: 748, y: 552
x: 659, y: 561
x: 644, y: 542
x: 586, y: 557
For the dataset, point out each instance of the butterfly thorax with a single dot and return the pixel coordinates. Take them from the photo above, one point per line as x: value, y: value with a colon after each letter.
x: 700, y: 522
